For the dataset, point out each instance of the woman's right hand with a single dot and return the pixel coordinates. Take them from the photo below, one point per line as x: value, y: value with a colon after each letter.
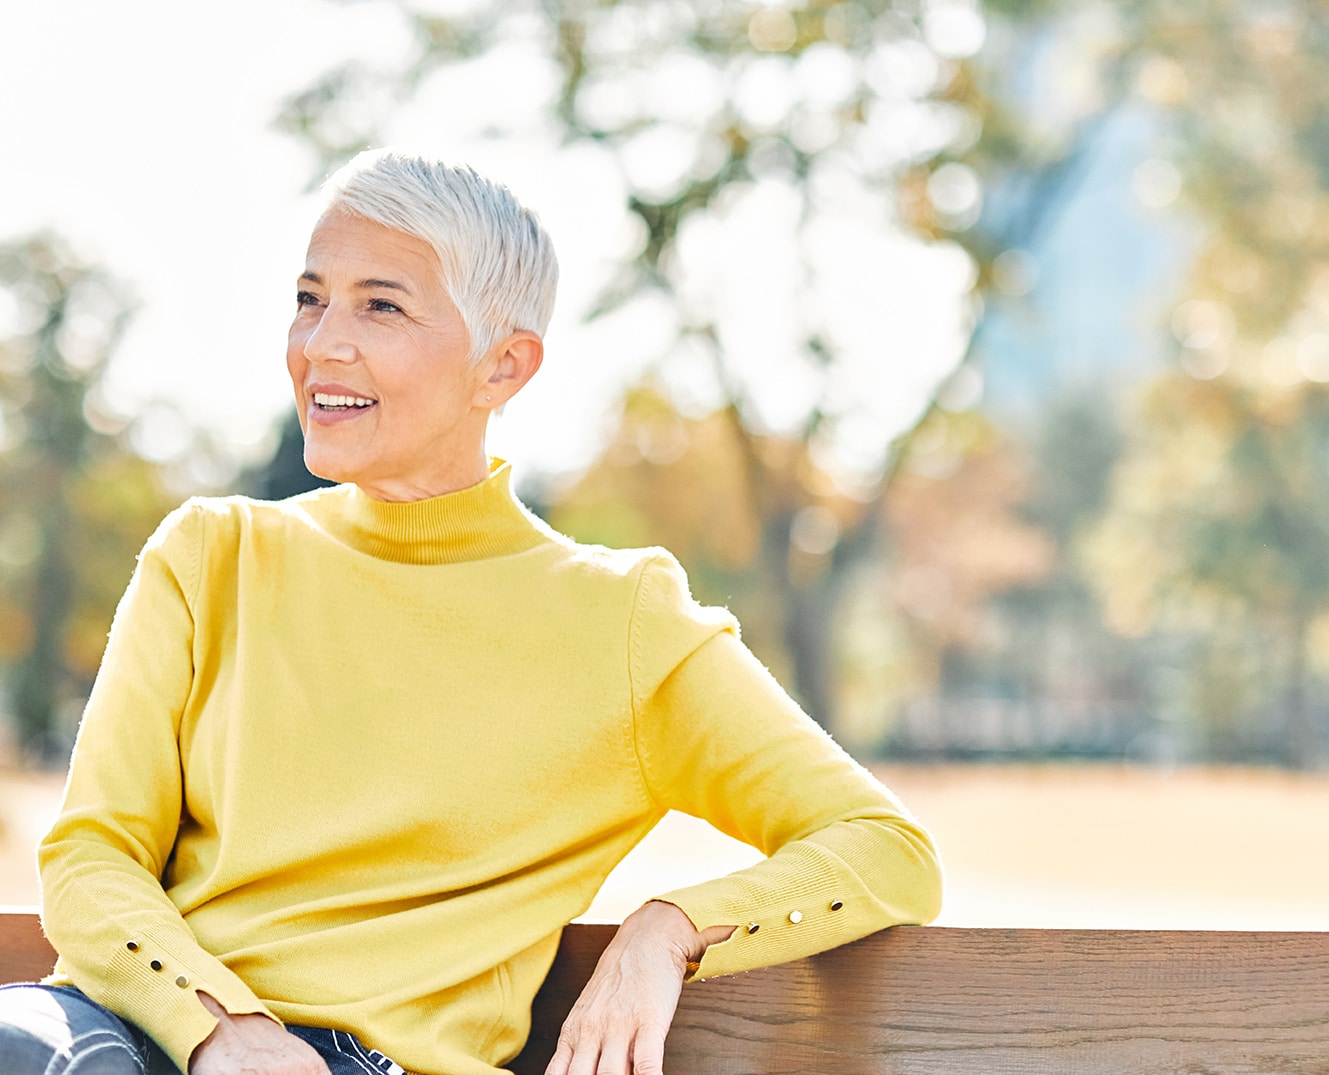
x: 252, y: 1044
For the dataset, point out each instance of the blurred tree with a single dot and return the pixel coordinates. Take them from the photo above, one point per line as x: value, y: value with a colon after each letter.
x: 957, y: 535
x: 1217, y: 567
x: 1216, y: 528
x: 684, y: 483
x: 75, y: 506
x: 953, y: 538
x: 1055, y: 643
x: 888, y: 114
x: 817, y: 123
x: 1218, y: 517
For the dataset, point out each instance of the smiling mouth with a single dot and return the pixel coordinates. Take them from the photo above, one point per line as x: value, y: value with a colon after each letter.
x: 324, y: 401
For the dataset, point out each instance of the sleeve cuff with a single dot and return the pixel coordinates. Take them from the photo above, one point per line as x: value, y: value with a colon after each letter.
x: 158, y: 992
x: 811, y: 908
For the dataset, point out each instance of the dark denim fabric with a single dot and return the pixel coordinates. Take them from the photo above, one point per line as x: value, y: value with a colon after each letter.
x: 50, y: 1030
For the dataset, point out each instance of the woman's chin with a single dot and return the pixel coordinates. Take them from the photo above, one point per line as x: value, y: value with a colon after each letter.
x: 329, y: 465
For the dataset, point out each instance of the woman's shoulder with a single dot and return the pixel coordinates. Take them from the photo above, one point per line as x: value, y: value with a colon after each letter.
x: 587, y: 569
x: 652, y: 577
x: 239, y: 509
x: 221, y: 520
x: 608, y: 562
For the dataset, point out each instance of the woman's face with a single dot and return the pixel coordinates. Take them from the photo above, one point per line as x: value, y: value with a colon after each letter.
x: 378, y: 356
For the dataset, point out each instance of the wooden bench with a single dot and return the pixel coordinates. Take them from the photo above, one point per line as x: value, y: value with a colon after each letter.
x: 961, y: 1001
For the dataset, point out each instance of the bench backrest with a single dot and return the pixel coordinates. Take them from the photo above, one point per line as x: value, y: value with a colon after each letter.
x: 962, y: 1001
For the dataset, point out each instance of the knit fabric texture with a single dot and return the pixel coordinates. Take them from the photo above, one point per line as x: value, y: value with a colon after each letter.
x: 355, y: 764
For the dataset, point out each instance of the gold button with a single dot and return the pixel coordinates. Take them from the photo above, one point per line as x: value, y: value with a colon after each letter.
x: 836, y: 904
x: 182, y: 981
x: 753, y: 927
x: 795, y: 917
x: 132, y: 946
x: 156, y: 964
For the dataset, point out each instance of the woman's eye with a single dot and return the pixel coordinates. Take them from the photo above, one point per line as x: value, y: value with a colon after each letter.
x: 382, y: 306
x: 305, y: 298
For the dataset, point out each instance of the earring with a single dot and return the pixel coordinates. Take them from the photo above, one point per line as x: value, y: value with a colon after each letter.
x: 489, y: 398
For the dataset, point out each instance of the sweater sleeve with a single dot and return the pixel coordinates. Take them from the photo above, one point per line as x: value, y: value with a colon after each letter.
x: 719, y: 739
x: 120, y: 938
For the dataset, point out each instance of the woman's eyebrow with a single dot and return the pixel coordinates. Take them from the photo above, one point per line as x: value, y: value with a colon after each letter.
x: 370, y: 282
x: 391, y: 285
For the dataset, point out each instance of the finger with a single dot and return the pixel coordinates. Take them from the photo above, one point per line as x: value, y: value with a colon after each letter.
x: 561, y: 1060
x: 648, y: 1052
x: 585, y: 1057
x: 717, y: 934
x: 613, y: 1057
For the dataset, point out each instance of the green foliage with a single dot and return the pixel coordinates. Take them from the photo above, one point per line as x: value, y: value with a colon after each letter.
x: 1204, y: 549
x: 1211, y: 541
x: 74, y: 504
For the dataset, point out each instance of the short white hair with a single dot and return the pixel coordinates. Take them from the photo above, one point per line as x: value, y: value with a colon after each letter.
x: 497, y: 260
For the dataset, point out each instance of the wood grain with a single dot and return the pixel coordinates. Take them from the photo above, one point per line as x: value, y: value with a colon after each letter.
x: 964, y: 1002
x: 25, y: 953
x: 913, y: 1001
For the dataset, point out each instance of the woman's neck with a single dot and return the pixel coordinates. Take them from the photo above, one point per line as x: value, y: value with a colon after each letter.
x: 478, y: 522
x: 459, y: 474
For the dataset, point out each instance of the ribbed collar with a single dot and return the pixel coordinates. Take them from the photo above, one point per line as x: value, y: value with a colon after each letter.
x: 478, y: 523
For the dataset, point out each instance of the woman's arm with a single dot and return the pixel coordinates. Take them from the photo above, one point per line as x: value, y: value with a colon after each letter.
x: 719, y: 739
x: 120, y: 938
x: 722, y: 741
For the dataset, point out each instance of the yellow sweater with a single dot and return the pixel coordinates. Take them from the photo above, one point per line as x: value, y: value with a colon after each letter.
x: 356, y: 764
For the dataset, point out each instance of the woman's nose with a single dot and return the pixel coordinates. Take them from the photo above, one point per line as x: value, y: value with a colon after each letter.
x: 332, y: 338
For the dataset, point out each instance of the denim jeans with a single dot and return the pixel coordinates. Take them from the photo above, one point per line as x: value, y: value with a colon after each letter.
x: 50, y: 1030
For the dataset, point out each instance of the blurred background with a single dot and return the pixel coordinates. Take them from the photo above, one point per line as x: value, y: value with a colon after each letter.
x: 974, y: 352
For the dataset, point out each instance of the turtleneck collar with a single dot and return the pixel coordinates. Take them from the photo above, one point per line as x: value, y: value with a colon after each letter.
x: 478, y: 523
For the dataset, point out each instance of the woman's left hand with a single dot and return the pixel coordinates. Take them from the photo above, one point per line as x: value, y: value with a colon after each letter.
x: 619, y: 1023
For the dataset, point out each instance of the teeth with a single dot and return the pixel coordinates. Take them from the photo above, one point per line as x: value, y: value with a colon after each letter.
x: 325, y: 400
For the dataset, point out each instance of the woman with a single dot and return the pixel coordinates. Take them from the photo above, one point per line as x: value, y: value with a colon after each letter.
x: 354, y: 759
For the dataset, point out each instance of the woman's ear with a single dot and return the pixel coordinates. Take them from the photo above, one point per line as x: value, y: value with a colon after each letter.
x: 518, y: 356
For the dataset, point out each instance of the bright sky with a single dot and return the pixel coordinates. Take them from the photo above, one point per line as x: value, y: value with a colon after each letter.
x: 141, y: 131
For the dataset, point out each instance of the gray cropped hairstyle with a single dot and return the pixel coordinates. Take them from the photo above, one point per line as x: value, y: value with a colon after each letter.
x: 497, y: 260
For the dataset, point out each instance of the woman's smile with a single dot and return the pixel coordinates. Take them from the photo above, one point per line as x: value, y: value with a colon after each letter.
x: 330, y: 403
